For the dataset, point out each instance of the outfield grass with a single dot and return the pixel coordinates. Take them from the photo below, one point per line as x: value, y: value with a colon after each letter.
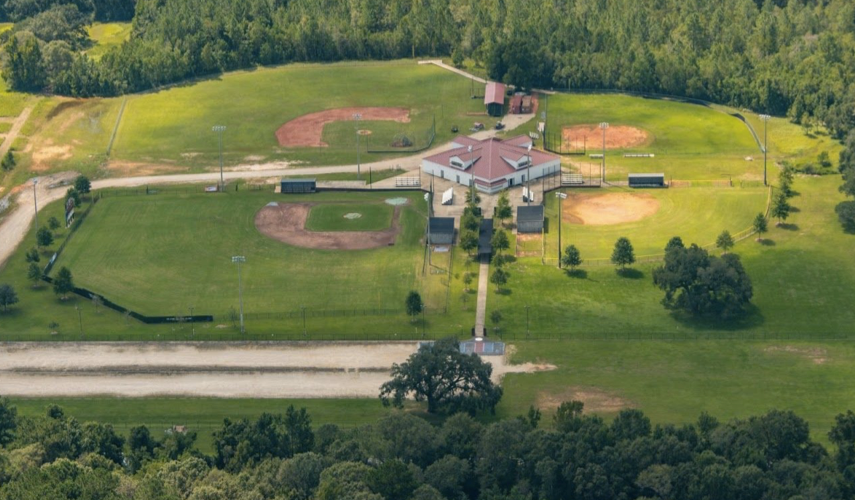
x: 106, y: 36
x: 691, y: 142
x: 174, y: 125
x: 331, y: 217
x: 698, y: 215
x: 789, y: 142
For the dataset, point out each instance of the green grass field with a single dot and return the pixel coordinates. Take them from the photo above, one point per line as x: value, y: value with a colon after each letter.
x: 691, y: 142
x: 106, y: 36
x: 331, y: 217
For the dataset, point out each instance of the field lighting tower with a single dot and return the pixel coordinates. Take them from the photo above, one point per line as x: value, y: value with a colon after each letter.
x: 604, y: 126
x: 528, y: 177
x: 219, y: 129
x: 35, y: 201
x: 357, y: 117
x: 240, y: 259
x: 765, y: 119
x: 561, y: 196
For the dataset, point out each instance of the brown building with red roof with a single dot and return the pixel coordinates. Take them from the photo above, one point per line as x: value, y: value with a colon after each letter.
x: 492, y: 164
x: 494, y: 98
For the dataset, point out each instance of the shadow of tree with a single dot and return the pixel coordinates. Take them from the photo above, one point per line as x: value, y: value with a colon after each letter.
x: 751, y: 318
x: 577, y: 273
x: 789, y: 227
x: 630, y: 273
x: 767, y: 242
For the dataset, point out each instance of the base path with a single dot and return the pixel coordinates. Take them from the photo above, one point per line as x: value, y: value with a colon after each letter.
x: 306, y: 131
x: 481, y: 307
x: 208, y: 369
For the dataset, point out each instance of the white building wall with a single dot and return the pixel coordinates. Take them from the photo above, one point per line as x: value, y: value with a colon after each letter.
x: 446, y: 172
x: 452, y: 174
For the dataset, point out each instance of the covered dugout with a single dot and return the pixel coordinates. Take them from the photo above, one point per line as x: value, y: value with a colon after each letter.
x: 441, y: 230
x: 298, y: 186
x: 646, y: 180
x: 530, y: 219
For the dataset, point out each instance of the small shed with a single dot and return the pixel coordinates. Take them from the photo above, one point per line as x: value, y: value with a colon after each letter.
x: 494, y: 98
x: 646, y: 180
x: 516, y: 104
x: 292, y: 186
x: 526, y: 107
x: 530, y: 219
x: 440, y: 230
x: 485, y: 237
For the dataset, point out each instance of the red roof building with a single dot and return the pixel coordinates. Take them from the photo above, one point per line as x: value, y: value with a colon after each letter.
x: 492, y: 164
x: 494, y: 98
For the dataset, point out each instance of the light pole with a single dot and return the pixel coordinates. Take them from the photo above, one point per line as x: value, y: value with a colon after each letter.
x: 560, y: 196
x: 765, y: 119
x: 79, y: 319
x: 240, y: 259
x: 192, y: 322
x: 604, y: 126
x: 528, y: 177
x: 527, y: 331
x: 303, y: 308
x: 35, y: 201
x: 219, y: 129
x: 357, y: 117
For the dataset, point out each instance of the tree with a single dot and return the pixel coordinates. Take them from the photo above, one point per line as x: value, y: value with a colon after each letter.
x: 8, y: 296
x: 447, y: 379
x: 8, y: 161
x: 73, y: 194
x: 572, y: 257
x: 499, y: 278
x: 469, y: 221
x: 44, y: 237
x: 34, y: 273
x: 246, y: 442
x: 785, y: 185
x: 780, y: 208
x: 457, y: 58
x: 63, y: 283
x: 467, y: 280
x: 500, y: 241
x: 33, y: 255
x: 623, y: 254
x: 846, y: 214
x: 724, y: 241
x: 468, y: 241
x: 53, y: 223
x: 701, y: 284
x: 760, y: 226
x: 8, y: 421
x: 503, y: 207
x: 82, y: 184
x: 414, y: 304
x: 392, y: 479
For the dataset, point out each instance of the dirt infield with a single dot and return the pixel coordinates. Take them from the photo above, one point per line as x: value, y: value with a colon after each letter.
x: 306, y: 131
x: 608, y: 209
x: 208, y: 369
x: 617, y: 137
x: 286, y: 222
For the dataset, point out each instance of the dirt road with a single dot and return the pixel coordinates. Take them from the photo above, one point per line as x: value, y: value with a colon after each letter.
x: 210, y: 369
x: 17, y: 125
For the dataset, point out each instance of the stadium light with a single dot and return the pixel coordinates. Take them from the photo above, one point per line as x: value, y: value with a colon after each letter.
x: 35, y: 201
x: 561, y: 196
x: 357, y: 117
x: 240, y: 259
x: 528, y: 177
x: 604, y: 126
x: 765, y: 119
x: 219, y: 129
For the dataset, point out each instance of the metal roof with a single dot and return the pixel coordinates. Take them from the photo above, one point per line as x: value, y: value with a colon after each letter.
x: 485, y: 235
x: 647, y: 175
x: 298, y: 180
x: 532, y: 213
x: 495, y: 93
x: 490, y: 156
x: 441, y: 225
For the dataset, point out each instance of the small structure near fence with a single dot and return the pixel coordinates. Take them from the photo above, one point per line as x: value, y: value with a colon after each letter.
x: 483, y: 347
x: 528, y: 195
x: 494, y: 98
x: 639, y: 155
x: 295, y: 186
x: 646, y: 180
x: 408, y: 182
x: 530, y: 219
x: 440, y: 230
x: 485, y: 237
x: 448, y: 197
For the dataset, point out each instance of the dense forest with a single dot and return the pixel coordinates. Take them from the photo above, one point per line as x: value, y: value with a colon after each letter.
x: 784, y: 57
x: 402, y: 456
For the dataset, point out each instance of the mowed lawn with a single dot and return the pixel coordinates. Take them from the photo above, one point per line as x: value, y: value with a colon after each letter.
x: 698, y: 215
x: 163, y: 254
x: 690, y: 142
x: 350, y: 217
x: 174, y: 125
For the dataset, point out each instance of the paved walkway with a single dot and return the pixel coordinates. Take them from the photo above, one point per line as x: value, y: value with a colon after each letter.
x: 481, y: 308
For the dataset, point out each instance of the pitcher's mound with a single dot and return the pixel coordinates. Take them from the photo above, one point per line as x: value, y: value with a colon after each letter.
x: 617, y: 137
x: 608, y: 209
x: 306, y: 131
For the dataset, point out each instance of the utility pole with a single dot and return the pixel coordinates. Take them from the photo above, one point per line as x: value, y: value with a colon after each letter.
x: 357, y: 117
x: 527, y: 331
x: 219, y: 129
x: 192, y: 322
x: 35, y: 201
x: 240, y: 259
x: 604, y: 126
x: 79, y: 318
x: 528, y: 177
x: 765, y: 119
x: 560, y: 196
x: 304, y: 320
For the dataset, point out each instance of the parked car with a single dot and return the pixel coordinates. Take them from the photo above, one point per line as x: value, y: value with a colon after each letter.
x: 477, y: 126
x: 500, y: 125
x: 454, y: 129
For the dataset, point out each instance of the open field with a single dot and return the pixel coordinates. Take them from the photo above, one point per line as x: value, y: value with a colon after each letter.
x: 106, y: 36
x: 690, y: 141
x: 334, y: 217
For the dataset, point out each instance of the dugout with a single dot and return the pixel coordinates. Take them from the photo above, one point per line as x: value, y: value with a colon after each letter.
x: 530, y: 219
x: 298, y: 186
x: 646, y: 180
x: 485, y: 237
x: 441, y: 230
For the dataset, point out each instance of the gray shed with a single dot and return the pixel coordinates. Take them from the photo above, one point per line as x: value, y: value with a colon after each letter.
x: 646, y: 180
x: 441, y: 230
x: 297, y: 186
x: 530, y: 219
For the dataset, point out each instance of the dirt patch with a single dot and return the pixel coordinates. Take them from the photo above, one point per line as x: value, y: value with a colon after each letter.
x: 363, y: 132
x: 70, y: 121
x: 307, y: 130
x: 531, y: 244
x: 617, y: 137
x: 595, y: 400
x: 607, y: 209
x: 286, y: 222
x: 135, y: 169
x: 816, y: 354
x: 47, y: 153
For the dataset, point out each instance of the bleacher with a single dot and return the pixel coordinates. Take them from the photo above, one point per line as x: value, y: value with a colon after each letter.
x: 572, y: 179
x: 408, y: 182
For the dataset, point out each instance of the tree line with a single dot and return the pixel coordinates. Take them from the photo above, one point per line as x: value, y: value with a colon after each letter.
x: 783, y: 57
x: 576, y: 455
